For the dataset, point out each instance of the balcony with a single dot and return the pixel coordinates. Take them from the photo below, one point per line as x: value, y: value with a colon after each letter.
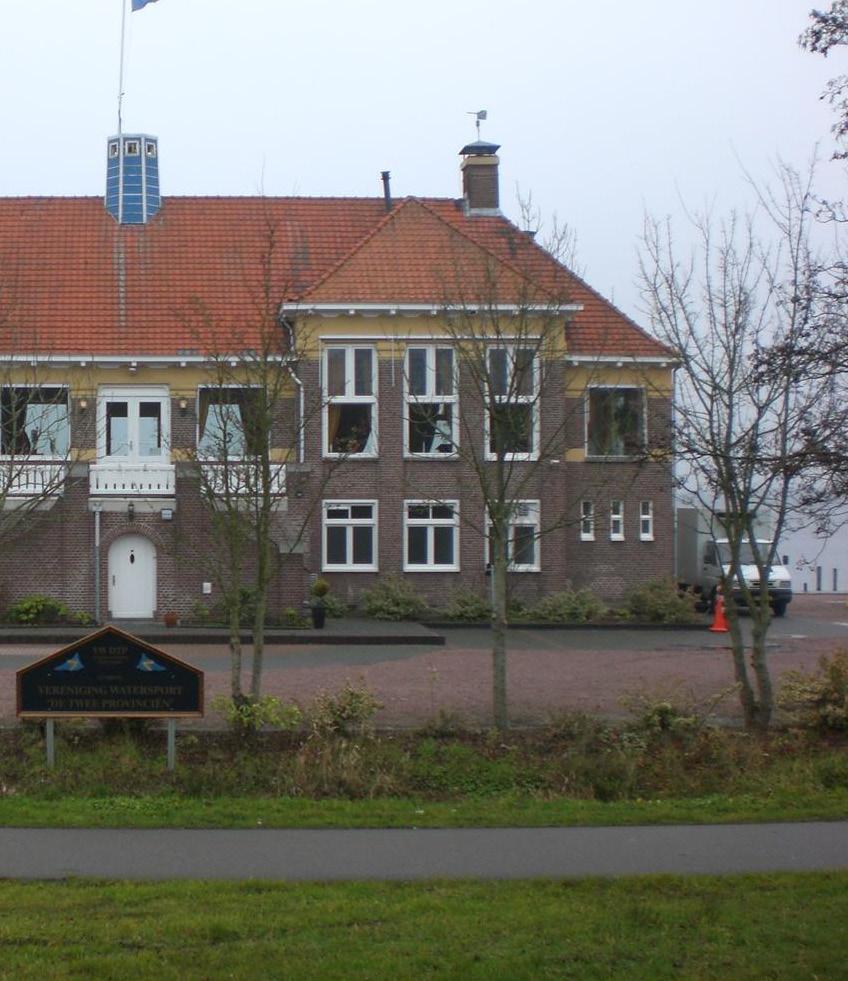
x: 132, y: 480
x: 28, y: 479
x: 240, y: 479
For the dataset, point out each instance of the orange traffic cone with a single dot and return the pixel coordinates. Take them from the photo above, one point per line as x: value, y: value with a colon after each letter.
x: 719, y: 620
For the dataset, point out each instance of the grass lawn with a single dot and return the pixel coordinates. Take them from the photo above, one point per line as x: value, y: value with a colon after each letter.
x: 778, y: 926
x: 509, y: 810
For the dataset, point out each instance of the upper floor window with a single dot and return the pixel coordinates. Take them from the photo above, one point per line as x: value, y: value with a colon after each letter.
x: 512, y: 419
x: 522, y: 537
x: 133, y: 424
x: 350, y: 401
x: 131, y: 148
x: 431, y: 402
x: 432, y: 536
x: 34, y: 422
x: 616, y: 421
x: 228, y: 423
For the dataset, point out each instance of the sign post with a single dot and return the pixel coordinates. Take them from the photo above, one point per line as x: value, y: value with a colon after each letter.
x: 110, y: 674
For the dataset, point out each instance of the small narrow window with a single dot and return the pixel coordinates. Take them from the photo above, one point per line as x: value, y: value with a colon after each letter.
x: 113, y: 149
x: 646, y: 521
x: 617, y: 521
x: 587, y: 521
x: 131, y: 148
x: 150, y: 149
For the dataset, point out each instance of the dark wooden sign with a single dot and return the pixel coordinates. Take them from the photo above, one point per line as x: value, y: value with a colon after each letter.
x: 109, y: 674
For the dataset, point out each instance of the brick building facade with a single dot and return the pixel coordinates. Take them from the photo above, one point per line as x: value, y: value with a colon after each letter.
x: 421, y: 343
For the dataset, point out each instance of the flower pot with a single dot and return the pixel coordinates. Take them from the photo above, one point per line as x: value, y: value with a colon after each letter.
x: 319, y: 616
x: 169, y: 619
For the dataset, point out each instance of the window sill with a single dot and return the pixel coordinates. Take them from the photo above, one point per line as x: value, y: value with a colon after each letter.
x: 514, y: 458
x: 431, y: 568
x: 430, y: 456
x: 350, y: 568
x: 351, y: 456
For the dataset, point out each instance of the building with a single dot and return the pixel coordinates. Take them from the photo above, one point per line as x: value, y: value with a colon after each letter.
x: 139, y: 332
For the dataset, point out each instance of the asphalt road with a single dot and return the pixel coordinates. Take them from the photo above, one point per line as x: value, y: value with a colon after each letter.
x: 483, y: 853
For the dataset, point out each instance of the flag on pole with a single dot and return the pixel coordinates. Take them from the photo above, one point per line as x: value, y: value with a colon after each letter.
x: 138, y: 4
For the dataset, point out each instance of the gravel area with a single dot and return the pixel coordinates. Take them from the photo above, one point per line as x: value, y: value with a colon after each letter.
x: 548, y: 671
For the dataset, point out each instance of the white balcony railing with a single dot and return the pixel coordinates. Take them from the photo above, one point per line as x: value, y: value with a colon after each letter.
x: 29, y: 479
x: 132, y: 479
x: 241, y: 479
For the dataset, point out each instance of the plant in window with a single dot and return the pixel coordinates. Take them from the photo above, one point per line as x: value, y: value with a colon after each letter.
x: 350, y: 394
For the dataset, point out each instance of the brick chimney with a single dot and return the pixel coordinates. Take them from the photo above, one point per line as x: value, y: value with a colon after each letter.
x: 480, y: 178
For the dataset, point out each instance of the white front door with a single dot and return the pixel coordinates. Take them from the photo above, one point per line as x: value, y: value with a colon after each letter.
x: 132, y: 577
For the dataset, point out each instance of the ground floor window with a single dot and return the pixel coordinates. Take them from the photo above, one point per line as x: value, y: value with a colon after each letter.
x: 616, y: 521
x: 646, y: 521
x: 587, y: 521
x: 522, y: 543
x: 431, y: 536
x: 350, y: 536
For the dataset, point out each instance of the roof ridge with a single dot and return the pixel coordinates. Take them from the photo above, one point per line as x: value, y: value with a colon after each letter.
x: 381, y: 224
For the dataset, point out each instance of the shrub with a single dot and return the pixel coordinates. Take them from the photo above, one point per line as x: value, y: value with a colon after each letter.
x: 335, y: 606
x: 465, y: 604
x: 291, y: 618
x: 392, y: 598
x: 571, y: 606
x: 349, y: 713
x: 818, y: 699
x: 250, y: 715
x: 38, y: 609
x: 660, y: 601
x: 320, y: 588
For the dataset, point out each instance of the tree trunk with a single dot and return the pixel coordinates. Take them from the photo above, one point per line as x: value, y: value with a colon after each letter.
x: 499, y: 625
x: 740, y: 669
x: 760, y: 619
x: 235, y: 654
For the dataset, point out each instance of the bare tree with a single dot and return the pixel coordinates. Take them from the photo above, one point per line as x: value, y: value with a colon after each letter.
x: 737, y: 311
x: 494, y: 397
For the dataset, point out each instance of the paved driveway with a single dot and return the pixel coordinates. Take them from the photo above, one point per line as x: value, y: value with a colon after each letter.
x: 549, y: 671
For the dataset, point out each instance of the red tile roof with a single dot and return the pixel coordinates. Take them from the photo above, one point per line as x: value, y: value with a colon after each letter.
x: 202, y: 274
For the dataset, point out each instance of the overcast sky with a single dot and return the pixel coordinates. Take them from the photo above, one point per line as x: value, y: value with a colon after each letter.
x: 604, y: 109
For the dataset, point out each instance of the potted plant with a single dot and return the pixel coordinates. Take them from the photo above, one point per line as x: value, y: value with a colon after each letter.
x: 319, y: 590
x: 170, y: 618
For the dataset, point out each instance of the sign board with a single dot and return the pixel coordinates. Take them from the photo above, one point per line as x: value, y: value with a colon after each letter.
x: 110, y: 674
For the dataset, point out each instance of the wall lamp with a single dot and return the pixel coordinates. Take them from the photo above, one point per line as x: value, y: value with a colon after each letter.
x: 83, y: 405
x: 183, y: 404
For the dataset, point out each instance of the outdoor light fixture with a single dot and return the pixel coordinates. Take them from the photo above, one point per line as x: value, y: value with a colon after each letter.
x: 83, y: 405
x: 131, y: 511
x: 183, y: 404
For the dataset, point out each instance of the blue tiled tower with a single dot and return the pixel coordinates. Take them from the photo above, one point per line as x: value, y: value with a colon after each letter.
x: 132, y: 178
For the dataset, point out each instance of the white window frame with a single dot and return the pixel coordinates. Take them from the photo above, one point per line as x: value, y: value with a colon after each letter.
x: 587, y: 521
x: 646, y: 521
x: 350, y: 523
x: 431, y: 398
x: 133, y: 395
x: 587, y: 416
x: 513, y: 398
x: 44, y: 456
x: 430, y: 524
x: 523, y: 514
x: 616, y: 520
x: 349, y: 397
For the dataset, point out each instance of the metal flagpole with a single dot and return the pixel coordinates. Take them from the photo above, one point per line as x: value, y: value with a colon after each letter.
x: 120, y: 119
x: 121, y: 72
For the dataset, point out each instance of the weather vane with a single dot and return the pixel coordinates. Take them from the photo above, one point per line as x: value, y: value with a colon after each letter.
x: 479, y: 116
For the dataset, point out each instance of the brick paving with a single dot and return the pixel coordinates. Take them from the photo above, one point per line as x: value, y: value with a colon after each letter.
x: 548, y: 671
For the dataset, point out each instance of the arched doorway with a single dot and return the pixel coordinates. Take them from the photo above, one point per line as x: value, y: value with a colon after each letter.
x: 132, y: 577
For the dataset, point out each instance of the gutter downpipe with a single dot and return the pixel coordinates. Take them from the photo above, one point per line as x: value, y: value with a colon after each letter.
x: 289, y: 326
x: 97, y: 563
